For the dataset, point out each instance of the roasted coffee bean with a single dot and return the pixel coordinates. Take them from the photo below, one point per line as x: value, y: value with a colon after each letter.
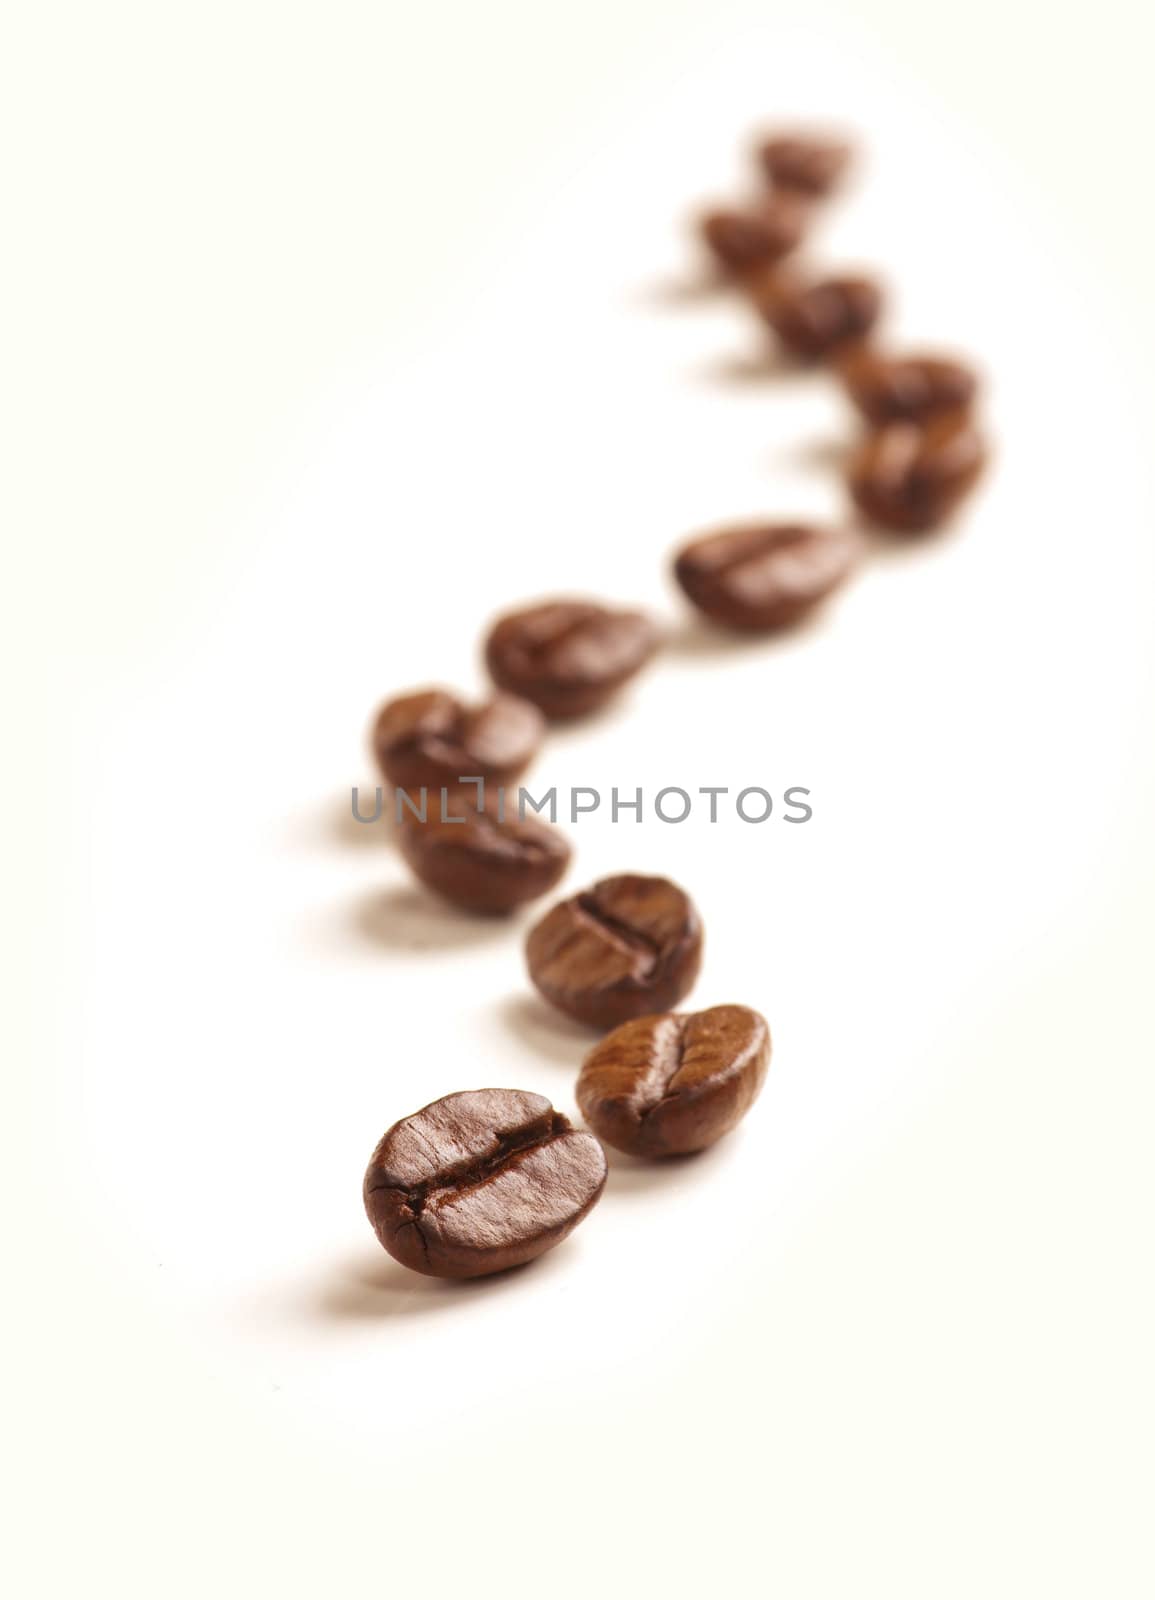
x: 742, y: 241
x: 481, y: 1181
x: 907, y: 388
x: 806, y: 163
x: 817, y: 320
x: 430, y: 738
x: 628, y: 946
x: 666, y: 1085
x: 568, y: 656
x: 766, y: 575
x: 489, y: 860
x: 911, y: 478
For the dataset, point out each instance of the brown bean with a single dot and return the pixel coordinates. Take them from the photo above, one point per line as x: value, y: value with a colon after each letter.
x: 818, y: 320
x: 481, y: 1181
x: 808, y: 163
x: 488, y: 861
x: 766, y: 575
x: 911, y: 478
x: 907, y: 388
x: 628, y: 946
x: 430, y: 738
x: 667, y: 1085
x: 568, y: 656
x: 743, y: 240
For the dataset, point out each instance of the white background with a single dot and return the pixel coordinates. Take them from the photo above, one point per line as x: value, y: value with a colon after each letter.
x: 332, y: 329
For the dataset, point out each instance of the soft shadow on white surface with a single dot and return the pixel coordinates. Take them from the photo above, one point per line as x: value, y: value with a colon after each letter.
x: 373, y: 1287
x: 757, y: 366
x: 545, y: 1031
x: 406, y: 917
x: 631, y: 1176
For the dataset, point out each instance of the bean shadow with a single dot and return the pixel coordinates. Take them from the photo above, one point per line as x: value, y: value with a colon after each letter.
x: 545, y: 1031
x: 374, y: 1288
x: 770, y: 365
x: 823, y: 455
x: 404, y: 917
x: 697, y: 639
x: 691, y: 288
x: 378, y: 833
x: 633, y: 1175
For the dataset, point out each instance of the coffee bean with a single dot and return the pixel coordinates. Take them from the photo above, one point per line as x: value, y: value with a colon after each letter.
x: 817, y: 320
x: 666, y: 1085
x: 908, y: 388
x: 488, y: 861
x: 628, y: 946
x: 741, y: 241
x: 764, y: 576
x: 806, y: 163
x: 481, y: 1181
x: 911, y: 478
x: 568, y: 656
x: 430, y: 738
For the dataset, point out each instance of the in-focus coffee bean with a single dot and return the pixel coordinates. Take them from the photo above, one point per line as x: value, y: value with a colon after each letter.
x: 628, y: 946
x: 488, y: 861
x: 810, y: 164
x: 667, y: 1085
x: 765, y: 575
x: 815, y: 321
x: 911, y: 478
x: 907, y: 388
x: 568, y: 656
x: 431, y: 738
x: 481, y: 1181
x: 743, y: 241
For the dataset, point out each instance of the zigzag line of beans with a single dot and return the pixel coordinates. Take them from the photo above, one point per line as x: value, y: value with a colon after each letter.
x: 488, y: 1179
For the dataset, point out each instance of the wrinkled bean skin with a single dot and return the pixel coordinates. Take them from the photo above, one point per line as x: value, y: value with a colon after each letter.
x: 481, y: 861
x: 911, y: 479
x: 816, y: 321
x: 628, y: 946
x: 481, y: 1181
x: 431, y: 738
x: 907, y: 388
x: 568, y: 656
x: 744, y: 241
x: 762, y: 577
x: 805, y: 163
x: 669, y: 1085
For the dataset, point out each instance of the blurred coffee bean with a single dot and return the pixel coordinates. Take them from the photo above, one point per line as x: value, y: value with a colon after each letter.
x: 568, y: 656
x: 431, y: 738
x: 911, y: 478
x: 817, y: 320
x: 488, y: 861
x: 667, y: 1085
x: 628, y: 946
x: 743, y: 240
x: 806, y: 163
x: 907, y: 388
x: 481, y: 1181
x: 764, y: 576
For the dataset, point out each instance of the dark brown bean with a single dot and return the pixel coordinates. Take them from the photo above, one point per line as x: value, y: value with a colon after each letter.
x: 488, y: 861
x: 667, y: 1085
x: 628, y: 946
x: 911, y: 478
x: 818, y: 320
x: 907, y: 388
x: 568, y: 656
x: 481, y: 1181
x: 430, y: 738
x: 808, y: 163
x: 742, y: 241
x: 766, y: 575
